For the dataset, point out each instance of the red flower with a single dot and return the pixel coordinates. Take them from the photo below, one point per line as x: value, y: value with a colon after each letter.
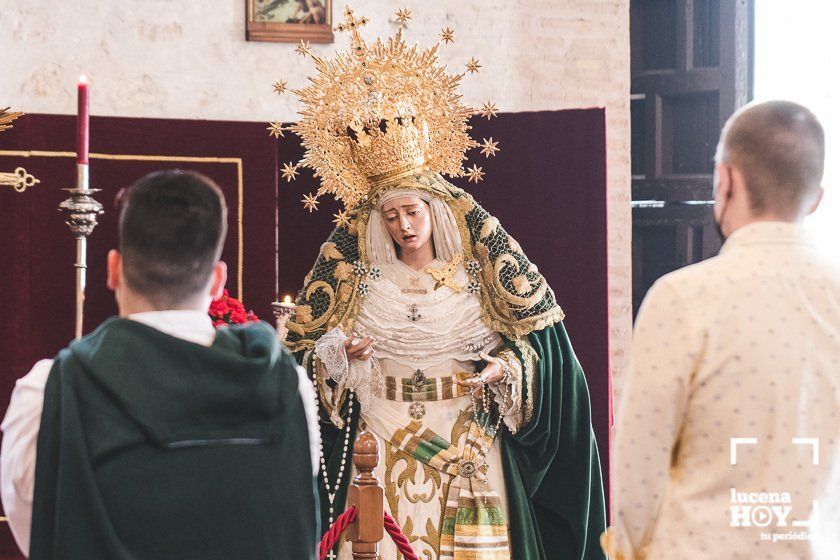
x: 229, y: 311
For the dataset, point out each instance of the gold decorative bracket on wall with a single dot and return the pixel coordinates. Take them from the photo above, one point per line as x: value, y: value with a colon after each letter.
x: 19, y: 179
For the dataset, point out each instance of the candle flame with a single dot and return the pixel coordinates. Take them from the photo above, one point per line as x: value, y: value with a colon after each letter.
x: 287, y: 299
x: 83, y: 79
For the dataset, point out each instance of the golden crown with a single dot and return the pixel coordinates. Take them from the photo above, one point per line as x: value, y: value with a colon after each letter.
x: 380, y: 112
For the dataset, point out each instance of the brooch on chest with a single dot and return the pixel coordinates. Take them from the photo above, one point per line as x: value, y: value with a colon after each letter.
x: 446, y: 276
x: 412, y: 313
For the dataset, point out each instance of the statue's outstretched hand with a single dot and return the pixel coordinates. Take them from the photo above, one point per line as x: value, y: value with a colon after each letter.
x: 494, y: 372
x: 358, y: 348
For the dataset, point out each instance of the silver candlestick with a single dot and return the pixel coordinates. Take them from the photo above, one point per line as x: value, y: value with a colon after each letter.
x: 80, y: 214
x: 283, y: 311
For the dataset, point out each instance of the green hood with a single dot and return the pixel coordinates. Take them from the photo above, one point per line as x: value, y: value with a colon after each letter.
x: 229, y: 390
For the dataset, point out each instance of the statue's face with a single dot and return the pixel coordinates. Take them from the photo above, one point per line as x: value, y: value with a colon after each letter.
x: 409, y: 221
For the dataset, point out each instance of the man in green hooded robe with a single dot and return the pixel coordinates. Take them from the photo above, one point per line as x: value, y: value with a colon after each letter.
x: 159, y: 437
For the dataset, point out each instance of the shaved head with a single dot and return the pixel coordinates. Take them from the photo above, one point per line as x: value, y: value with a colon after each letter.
x: 779, y: 148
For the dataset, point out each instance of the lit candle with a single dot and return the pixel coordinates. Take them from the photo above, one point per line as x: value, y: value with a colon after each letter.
x: 83, y: 122
x: 287, y: 302
x: 283, y: 311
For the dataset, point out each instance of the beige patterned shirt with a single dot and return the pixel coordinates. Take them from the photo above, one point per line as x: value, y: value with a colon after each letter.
x: 730, y: 413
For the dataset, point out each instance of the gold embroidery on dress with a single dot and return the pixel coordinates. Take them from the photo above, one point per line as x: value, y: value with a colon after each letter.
x: 415, y: 287
x: 461, y: 427
x: 402, y: 484
x: 393, y: 457
x: 418, y: 291
x: 432, y: 537
x: 496, y: 311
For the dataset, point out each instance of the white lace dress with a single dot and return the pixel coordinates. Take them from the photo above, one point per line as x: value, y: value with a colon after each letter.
x: 420, y: 334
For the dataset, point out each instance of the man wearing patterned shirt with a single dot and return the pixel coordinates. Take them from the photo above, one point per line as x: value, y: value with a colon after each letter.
x: 730, y: 412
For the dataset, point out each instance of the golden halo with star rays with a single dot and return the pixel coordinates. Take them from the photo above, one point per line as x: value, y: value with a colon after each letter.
x: 380, y: 111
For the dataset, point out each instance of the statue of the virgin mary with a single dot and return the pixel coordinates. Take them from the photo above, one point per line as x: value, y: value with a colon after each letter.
x: 425, y: 321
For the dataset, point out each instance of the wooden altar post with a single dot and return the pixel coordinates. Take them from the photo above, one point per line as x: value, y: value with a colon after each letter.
x: 366, y: 495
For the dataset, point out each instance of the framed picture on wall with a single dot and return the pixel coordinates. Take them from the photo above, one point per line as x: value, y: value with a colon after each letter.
x: 288, y: 21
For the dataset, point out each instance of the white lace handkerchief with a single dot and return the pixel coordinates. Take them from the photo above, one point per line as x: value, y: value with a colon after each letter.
x: 363, y: 377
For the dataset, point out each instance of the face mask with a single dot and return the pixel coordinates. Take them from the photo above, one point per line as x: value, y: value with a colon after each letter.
x: 719, y: 226
x: 719, y: 221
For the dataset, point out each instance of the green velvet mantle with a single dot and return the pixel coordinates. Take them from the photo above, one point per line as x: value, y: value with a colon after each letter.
x: 552, y: 472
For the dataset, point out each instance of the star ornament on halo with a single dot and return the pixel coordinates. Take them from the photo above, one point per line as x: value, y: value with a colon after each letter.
x: 489, y: 147
x: 447, y: 35
x: 289, y: 172
x: 279, y: 86
x: 473, y: 65
x: 488, y: 110
x: 302, y: 48
x: 275, y: 129
x: 403, y: 16
x: 342, y: 219
x: 475, y: 174
x: 310, y: 202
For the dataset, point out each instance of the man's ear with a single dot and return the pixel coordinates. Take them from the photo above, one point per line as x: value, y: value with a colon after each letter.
x: 738, y: 186
x: 219, y: 278
x: 817, y: 201
x: 114, y: 265
x: 723, y: 182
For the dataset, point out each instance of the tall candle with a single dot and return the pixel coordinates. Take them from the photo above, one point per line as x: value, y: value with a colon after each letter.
x: 83, y: 122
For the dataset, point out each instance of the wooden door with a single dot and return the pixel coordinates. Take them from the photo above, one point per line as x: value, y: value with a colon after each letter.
x: 691, y: 67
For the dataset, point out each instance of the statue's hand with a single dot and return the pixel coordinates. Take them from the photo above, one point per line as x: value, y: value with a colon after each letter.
x: 358, y: 348
x: 494, y: 372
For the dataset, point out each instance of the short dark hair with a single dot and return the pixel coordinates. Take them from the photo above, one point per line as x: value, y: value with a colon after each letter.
x: 779, y: 147
x: 171, y: 231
